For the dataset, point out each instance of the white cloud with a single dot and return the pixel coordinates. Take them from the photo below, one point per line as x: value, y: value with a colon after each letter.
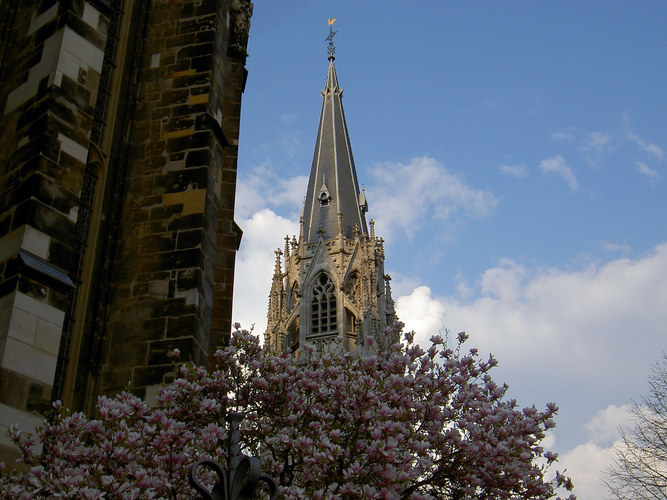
x: 504, y: 281
x: 290, y: 143
x: 402, y: 285
x: 564, y: 335
x: 463, y: 288
x: 616, y: 247
x: 406, y: 197
x: 263, y: 233
x: 262, y: 188
x: 603, y: 427
x: 597, y: 140
x: 563, y: 136
x: 586, y: 465
x: 648, y: 147
x: 594, y: 146
x: 644, y: 169
x: 514, y: 170
x: 422, y: 313
x: 558, y: 166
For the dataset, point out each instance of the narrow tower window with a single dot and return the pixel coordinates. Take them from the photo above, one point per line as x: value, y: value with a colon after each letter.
x: 324, y: 306
x: 325, y: 199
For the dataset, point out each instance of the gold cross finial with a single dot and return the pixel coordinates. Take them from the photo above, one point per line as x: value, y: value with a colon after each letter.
x: 331, y: 49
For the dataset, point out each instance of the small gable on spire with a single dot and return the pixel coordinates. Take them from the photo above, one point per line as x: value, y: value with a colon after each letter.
x: 325, y: 196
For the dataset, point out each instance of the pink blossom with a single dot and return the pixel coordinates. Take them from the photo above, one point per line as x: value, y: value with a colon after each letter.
x: 404, y: 423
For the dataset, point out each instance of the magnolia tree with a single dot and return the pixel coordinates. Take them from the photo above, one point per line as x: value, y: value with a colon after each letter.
x: 406, y: 423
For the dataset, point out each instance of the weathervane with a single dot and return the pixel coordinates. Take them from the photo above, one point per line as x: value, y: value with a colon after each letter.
x: 331, y: 49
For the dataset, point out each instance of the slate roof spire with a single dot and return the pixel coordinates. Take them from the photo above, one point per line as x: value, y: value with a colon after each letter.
x: 332, y: 292
x: 333, y: 187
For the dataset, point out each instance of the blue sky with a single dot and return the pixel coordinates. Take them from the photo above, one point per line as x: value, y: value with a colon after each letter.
x: 514, y: 155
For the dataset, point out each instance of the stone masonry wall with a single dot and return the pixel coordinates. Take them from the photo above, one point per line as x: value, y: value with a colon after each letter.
x: 50, y: 69
x: 153, y: 177
x: 180, y: 197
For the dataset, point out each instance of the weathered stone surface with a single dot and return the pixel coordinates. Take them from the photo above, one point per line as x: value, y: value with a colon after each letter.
x: 132, y: 184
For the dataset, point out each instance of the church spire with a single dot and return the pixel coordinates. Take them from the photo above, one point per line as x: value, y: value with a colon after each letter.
x: 333, y: 186
x: 333, y: 292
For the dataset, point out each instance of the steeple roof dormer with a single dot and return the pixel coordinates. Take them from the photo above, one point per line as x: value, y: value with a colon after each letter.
x: 333, y: 187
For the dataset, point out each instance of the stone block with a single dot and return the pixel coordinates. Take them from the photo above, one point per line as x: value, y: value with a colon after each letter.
x: 158, y: 353
x: 36, y: 242
x: 174, y: 307
x: 29, y: 361
x: 128, y: 354
x: 180, y: 40
x: 38, y: 398
x: 23, y: 326
x: 198, y: 99
x: 13, y: 388
x: 201, y: 63
x: 197, y: 82
x: 181, y: 326
x: 189, y: 239
x: 138, y: 331
x: 150, y: 375
x: 192, y: 221
x: 39, y: 309
x: 47, y: 336
x: 157, y: 243
x: 85, y: 51
x: 193, y: 201
x: 165, y: 212
x: 159, y: 288
x: 198, y: 158
x: 10, y: 416
x: 11, y: 243
x: 188, y: 278
x: 192, y: 51
x: 190, y: 295
x: 176, y: 134
x: 115, y: 379
x: 178, y: 259
x: 45, y: 220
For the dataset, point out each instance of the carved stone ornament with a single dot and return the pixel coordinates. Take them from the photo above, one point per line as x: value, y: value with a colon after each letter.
x: 241, y: 12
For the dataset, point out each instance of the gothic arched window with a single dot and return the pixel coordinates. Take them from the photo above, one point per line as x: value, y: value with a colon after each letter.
x: 323, y: 306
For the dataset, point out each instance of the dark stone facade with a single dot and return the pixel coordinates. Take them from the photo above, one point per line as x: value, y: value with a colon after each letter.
x: 119, y: 126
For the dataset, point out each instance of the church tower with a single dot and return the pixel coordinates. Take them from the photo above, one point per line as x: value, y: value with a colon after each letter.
x: 332, y: 289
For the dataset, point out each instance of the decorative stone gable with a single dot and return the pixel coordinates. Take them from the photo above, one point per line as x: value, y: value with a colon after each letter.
x: 332, y: 291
